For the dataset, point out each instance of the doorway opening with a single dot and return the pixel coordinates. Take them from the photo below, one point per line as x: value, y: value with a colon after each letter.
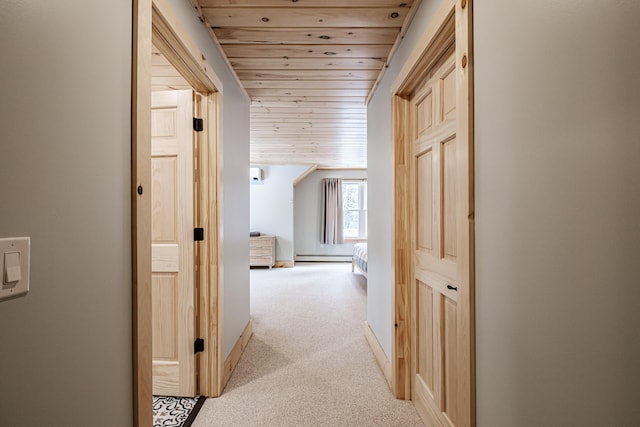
x: 157, y: 30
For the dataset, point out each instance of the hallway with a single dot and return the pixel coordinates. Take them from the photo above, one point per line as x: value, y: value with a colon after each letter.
x: 308, y: 362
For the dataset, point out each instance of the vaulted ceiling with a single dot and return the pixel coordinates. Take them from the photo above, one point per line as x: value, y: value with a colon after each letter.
x: 308, y: 67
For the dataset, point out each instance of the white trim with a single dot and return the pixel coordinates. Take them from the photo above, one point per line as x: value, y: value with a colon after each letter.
x: 323, y: 258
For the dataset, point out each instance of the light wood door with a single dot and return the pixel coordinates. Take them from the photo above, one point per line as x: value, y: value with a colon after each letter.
x: 437, y: 227
x: 173, y: 264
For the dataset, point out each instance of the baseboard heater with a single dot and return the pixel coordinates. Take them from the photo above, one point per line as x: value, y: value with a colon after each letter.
x: 323, y: 258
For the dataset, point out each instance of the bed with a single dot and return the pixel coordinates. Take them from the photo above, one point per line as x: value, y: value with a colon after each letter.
x: 359, y: 258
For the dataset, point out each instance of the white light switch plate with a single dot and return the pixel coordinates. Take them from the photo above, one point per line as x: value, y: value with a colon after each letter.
x: 14, y: 283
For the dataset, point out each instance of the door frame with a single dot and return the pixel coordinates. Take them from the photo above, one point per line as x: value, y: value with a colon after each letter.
x: 153, y: 20
x: 452, y: 23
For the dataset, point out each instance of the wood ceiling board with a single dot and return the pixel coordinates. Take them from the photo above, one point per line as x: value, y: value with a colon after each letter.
x: 303, y: 112
x: 287, y: 123
x: 351, y: 129
x: 320, y: 162
x: 305, y: 3
x: 354, y: 128
x: 308, y: 108
x: 273, y: 151
x: 353, y: 100
x: 306, y: 36
x: 263, y: 103
x: 358, y: 131
x: 295, y: 75
x: 301, y: 134
x: 286, y: 117
x: 306, y: 64
x: 322, y: 159
x: 377, y: 51
x: 307, y: 137
x: 295, y: 92
x: 293, y: 17
x: 309, y: 148
x: 295, y: 121
x: 300, y: 149
x: 288, y: 120
x: 291, y: 119
x: 294, y: 145
x: 307, y: 84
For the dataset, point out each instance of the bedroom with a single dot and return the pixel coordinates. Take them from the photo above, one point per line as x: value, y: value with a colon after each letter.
x: 287, y: 203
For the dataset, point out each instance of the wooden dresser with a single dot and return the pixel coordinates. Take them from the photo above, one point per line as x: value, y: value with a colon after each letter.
x: 262, y: 251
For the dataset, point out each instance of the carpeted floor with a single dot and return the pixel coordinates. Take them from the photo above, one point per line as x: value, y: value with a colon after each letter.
x: 308, y: 363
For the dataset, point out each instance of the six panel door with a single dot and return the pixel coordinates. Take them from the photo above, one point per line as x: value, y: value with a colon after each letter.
x: 435, y: 237
x: 173, y: 289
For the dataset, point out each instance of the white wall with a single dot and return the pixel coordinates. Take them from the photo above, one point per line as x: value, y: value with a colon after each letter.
x: 557, y: 105
x: 381, y: 189
x: 308, y: 213
x: 234, y: 164
x: 65, y: 126
x: 557, y: 205
x: 272, y: 206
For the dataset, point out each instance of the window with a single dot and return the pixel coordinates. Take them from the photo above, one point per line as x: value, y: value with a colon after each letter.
x: 354, y: 206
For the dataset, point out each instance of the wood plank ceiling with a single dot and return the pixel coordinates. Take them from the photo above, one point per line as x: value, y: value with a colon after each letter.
x: 308, y: 67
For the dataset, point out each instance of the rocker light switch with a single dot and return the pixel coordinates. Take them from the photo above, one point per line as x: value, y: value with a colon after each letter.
x: 14, y: 266
x: 11, y: 268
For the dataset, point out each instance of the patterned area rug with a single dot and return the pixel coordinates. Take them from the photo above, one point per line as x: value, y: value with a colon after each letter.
x: 175, y: 411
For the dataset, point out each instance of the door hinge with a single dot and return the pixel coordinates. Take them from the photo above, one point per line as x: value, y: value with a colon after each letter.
x: 198, y: 345
x: 198, y: 124
x: 198, y: 234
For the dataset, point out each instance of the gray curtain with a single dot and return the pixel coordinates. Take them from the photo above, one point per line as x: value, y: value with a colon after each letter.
x: 331, y: 233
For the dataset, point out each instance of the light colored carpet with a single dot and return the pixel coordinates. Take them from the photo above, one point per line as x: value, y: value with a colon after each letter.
x: 308, y: 363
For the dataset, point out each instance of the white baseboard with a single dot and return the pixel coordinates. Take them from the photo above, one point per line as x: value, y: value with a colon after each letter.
x: 378, y: 352
x: 323, y: 258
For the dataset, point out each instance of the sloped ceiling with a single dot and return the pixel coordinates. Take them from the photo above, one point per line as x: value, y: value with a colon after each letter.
x: 308, y: 67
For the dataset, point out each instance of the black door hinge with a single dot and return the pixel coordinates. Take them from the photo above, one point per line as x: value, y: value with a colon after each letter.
x: 198, y: 345
x: 198, y: 234
x: 198, y: 124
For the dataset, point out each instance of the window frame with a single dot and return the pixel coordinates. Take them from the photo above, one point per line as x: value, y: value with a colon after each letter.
x: 362, y: 211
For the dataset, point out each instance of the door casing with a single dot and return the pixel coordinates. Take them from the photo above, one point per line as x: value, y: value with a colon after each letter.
x: 154, y: 20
